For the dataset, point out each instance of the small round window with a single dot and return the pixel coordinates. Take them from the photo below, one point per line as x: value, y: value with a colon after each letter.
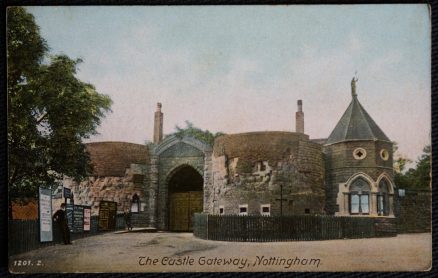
x: 384, y: 154
x: 359, y: 153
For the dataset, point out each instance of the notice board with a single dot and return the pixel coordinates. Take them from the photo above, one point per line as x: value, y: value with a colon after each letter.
x: 45, y: 214
x: 69, y: 211
x: 78, y: 219
x: 87, y: 219
x: 107, y: 215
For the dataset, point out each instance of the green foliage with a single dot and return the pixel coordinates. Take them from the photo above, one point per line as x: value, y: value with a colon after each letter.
x: 418, y: 177
x: 400, y: 161
x: 191, y: 131
x: 25, y: 48
x: 50, y: 111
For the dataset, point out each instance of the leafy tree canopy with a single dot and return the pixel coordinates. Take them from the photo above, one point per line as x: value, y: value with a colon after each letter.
x: 50, y: 111
x: 191, y: 131
x: 414, y: 178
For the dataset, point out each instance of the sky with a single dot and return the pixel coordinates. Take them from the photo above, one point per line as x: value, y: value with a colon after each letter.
x: 242, y: 68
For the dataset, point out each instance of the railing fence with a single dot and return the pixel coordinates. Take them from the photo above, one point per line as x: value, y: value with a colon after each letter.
x: 24, y: 234
x: 288, y: 228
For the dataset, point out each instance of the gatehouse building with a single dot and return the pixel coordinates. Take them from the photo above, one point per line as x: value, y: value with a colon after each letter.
x: 164, y: 183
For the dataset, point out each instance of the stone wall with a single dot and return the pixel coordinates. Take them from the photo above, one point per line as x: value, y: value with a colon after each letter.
x: 111, y: 159
x: 414, y: 211
x: 169, y: 161
x: 92, y: 190
x: 256, y: 168
x: 341, y: 166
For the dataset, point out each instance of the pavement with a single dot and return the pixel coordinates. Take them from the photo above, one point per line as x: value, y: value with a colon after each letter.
x: 137, y: 230
x: 182, y: 252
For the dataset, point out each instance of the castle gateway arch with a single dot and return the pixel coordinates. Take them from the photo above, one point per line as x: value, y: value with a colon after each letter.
x: 182, y: 164
x: 185, y: 193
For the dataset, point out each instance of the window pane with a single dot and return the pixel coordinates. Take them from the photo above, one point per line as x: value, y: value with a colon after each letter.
x: 364, y: 204
x: 379, y: 204
x: 360, y: 185
x: 354, y: 203
x: 134, y: 207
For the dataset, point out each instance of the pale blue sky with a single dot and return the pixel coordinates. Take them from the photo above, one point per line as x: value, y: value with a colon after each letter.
x: 237, y: 69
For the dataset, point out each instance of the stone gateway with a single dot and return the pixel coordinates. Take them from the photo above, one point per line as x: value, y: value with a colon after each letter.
x: 257, y: 173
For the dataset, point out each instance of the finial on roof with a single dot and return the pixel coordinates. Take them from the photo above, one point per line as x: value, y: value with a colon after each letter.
x: 353, y: 86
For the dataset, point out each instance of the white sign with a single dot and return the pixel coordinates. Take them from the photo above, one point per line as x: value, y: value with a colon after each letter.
x: 45, y: 214
x: 87, y: 219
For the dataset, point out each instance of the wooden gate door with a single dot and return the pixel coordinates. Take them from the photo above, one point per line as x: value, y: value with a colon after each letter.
x: 107, y: 215
x: 182, y: 207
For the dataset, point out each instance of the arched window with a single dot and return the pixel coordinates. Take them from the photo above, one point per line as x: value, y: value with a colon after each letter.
x: 135, y: 204
x: 359, y: 197
x: 382, y: 198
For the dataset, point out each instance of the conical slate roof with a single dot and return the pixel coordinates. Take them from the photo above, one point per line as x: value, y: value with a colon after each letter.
x: 356, y: 124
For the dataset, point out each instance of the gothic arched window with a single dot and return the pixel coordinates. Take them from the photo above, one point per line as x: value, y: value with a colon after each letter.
x: 359, y: 197
x: 382, y: 198
x: 135, y: 203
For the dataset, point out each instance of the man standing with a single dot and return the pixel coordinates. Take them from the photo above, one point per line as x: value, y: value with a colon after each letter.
x: 60, y: 217
x: 127, y: 216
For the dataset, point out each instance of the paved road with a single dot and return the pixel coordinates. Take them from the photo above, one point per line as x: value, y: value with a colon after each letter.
x: 174, y: 252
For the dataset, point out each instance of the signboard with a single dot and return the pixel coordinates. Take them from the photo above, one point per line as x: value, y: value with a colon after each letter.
x: 107, y: 215
x: 45, y: 214
x: 87, y: 219
x: 67, y: 192
x: 78, y: 219
x: 57, y: 193
x: 69, y: 210
x: 401, y: 192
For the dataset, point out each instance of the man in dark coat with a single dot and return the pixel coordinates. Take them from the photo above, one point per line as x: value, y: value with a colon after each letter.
x: 60, y: 217
x: 127, y: 216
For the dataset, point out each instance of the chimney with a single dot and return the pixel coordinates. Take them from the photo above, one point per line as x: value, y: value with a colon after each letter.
x: 299, y: 118
x: 158, y: 124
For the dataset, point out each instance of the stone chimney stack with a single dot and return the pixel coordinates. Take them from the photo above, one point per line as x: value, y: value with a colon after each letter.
x: 158, y: 125
x: 299, y: 118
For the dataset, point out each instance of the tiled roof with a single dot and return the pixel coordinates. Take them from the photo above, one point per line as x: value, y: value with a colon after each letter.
x: 356, y: 124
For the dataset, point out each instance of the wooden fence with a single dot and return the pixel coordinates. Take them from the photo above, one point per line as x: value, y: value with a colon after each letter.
x: 287, y: 228
x: 24, y: 234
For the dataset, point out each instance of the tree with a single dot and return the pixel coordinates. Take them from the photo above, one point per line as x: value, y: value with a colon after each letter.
x: 50, y: 111
x: 418, y: 177
x: 191, y: 131
x: 421, y: 174
x: 400, y: 160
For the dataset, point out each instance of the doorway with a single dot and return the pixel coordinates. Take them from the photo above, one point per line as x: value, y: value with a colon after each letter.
x: 185, y: 198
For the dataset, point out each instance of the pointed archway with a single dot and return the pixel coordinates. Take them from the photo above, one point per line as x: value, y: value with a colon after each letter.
x: 185, y: 186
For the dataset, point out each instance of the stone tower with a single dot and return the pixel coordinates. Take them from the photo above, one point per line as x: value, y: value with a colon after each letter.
x: 359, y: 170
x: 299, y: 118
x: 158, y: 125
